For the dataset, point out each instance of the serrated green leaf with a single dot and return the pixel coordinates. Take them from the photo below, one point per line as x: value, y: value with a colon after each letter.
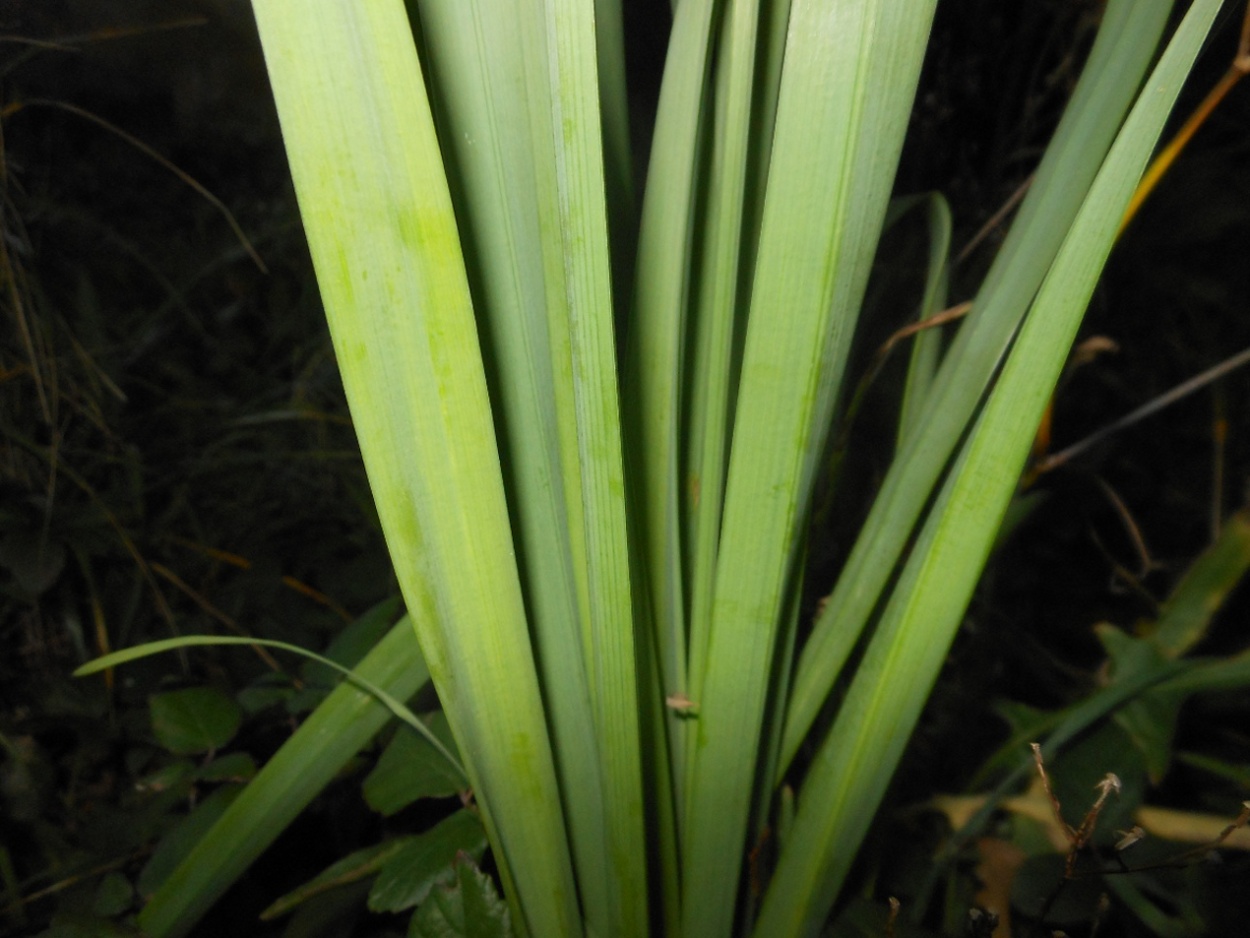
x: 194, y: 720
x: 428, y: 859
x: 470, y: 909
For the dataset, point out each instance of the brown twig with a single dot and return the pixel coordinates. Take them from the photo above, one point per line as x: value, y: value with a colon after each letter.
x: 1202, y: 850
x: 1078, y: 837
x: 996, y: 219
x: 203, y: 602
x: 1167, y: 156
x: 1147, y: 563
x: 1110, y: 783
x: 1150, y: 407
x: 892, y: 918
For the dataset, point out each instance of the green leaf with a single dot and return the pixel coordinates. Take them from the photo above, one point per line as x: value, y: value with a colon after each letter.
x: 194, y: 720
x: 470, y: 909
x: 330, y: 914
x: 1148, y: 719
x: 1209, y: 675
x: 1187, y: 614
x: 521, y: 136
x: 177, y: 776
x: 1040, y: 877
x: 357, y: 865
x: 235, y: 767
x: 1076, y: 773
x: 1164, y: 904
x: 926, y: 346
x: 268, y: 690
x: 410, y: 769
x: 408, y: 875
x: 355, y: 677
x: 1150, y: 722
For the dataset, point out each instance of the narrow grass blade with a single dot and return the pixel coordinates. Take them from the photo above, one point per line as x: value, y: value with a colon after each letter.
x: 926, y: 346
x: 855, y: 763
x: 716, y: 324
x: 618, y: 159
x: 369, y: 176
x: 397, y: 709
x: 651, y: 407
x: 340, y: 726
x: 655, y: 347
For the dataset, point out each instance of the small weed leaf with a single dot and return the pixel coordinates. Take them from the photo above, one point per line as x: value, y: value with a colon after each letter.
x: 408, y: 877
x: 470, y: 909
x: 194, y: 720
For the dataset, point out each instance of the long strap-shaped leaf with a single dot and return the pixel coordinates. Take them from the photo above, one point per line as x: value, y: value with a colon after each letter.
x: 490, y: 81
x: 586, y: 374
x: 384, y: 241
x: 854, y: 765
x: 656, y: 344
x: 518, y: 93
x: 847, y: 84
x: 1126, y: 42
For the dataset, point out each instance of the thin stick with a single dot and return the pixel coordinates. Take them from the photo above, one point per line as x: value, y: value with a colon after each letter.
x: 1110, y: 783
x: 996, y: 219
x: 895, y: 906
x: 1134, y: 532
x: 1183, y: 389
x: 148, y: 151
x: 1219, y: 439
x: 1054, y: 801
